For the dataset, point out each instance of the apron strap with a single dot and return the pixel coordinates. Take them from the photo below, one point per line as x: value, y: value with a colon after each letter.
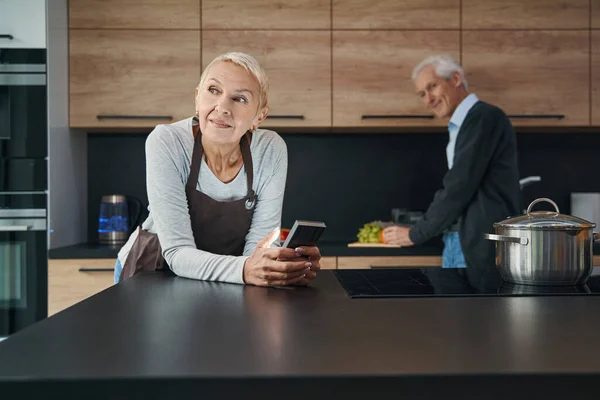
x: 196, y: 160
x: 247, y: 157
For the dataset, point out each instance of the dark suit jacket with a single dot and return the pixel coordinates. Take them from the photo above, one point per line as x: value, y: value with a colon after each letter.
x: 481, y: 188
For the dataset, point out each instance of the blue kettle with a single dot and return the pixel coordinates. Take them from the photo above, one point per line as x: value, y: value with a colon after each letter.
x: 119, y: 216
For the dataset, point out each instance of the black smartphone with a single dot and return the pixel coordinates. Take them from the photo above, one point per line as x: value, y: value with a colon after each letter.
x: 304, y: 233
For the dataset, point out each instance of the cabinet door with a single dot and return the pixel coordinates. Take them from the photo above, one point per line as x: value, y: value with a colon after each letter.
x: 372, y: 84
x: 127, y: 78
x: 298, y: 65
x: 72, y: 281
x: 596, y: 78
x: 400, y: 261
x: 23, y: 24
x: 266, y: 14
x: 394, y: 14
x: 539, y: 78
x: 595, y: 14
x: 134, y: 14
x: 525, y: 14
x: 328, y: 262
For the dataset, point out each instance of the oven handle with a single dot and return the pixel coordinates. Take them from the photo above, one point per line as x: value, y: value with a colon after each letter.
x: 22, y: 79
x: 14, y: 228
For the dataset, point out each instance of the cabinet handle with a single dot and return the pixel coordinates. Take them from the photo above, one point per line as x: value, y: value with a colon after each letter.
x: 14, y: 228
x: 9, y: 37
x: 538, y: 116
x: 397, y: 117
x: 85, y: 269
x: 167, y: 117
x: 285, y: 116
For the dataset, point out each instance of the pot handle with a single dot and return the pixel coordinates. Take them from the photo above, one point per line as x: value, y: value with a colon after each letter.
x: 542, y: 199
x: 511, y: 239
x: 596, y: 236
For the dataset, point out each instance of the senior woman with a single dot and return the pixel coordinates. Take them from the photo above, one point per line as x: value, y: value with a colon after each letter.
x: 215, y: 188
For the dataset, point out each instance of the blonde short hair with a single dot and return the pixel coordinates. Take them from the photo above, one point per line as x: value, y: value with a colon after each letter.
x: 251, y: 65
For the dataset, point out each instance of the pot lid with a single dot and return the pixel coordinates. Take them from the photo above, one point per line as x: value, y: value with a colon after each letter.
x: 545, y: 219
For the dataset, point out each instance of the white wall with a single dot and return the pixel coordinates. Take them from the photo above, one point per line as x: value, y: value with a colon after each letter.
x: 67, y: 161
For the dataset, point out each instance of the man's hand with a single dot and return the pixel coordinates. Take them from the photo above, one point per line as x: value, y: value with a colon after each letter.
x: 397, y: 235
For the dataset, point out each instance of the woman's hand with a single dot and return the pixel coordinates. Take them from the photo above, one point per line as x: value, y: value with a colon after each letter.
x: 276, y: 266
x: 313, y: 254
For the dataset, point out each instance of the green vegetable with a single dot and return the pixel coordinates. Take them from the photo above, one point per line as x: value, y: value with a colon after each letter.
x: 369, y: 233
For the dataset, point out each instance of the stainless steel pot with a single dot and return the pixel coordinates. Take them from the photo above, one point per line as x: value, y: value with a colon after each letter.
x: 544, y: 248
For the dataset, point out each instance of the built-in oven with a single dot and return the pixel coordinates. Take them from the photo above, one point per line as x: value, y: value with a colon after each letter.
x: 23, y: 120
x: 23, y: 262
x: 23, y: 189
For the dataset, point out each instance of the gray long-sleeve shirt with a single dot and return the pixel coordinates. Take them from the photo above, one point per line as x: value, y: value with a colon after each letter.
x: 168, y: 158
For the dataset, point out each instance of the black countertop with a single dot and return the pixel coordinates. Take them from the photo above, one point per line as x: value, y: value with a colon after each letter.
x: 155, y: 336
x: 84, y: 250
x: 328, y: 248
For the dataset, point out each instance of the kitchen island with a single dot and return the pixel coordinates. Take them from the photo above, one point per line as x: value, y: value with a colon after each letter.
x: 158, y: 336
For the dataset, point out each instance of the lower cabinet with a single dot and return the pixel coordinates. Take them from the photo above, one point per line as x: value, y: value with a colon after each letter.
x: 328, y: 262
x: 74, y: 280
x: 398, y: 261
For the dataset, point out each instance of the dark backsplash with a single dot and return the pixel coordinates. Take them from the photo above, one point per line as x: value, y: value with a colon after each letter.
x: 347, y: 180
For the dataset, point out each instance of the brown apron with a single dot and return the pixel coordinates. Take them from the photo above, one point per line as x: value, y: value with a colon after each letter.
x: 219, y: 227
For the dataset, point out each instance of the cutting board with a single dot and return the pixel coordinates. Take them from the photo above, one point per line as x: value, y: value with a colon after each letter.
x: 384, y: 245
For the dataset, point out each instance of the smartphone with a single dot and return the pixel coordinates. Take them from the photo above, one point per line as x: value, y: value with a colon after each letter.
x: 304, y: 233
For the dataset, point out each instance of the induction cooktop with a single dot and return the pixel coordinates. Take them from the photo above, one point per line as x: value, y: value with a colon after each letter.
x: 444, y: 282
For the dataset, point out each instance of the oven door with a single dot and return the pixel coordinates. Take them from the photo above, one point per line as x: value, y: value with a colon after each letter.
x: 23, y: 268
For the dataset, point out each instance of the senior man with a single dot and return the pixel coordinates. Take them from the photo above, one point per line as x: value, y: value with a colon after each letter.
x: 482, y: 183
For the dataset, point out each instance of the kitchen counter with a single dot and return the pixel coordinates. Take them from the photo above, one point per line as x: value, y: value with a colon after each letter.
x: 328, y: 248
x: 155, y: 336
x: 341, y: 249
x: 84, y: 250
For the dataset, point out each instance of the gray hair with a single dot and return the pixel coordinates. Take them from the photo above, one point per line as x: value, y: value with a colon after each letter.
x: 444, y: 66
x: 251, y: 65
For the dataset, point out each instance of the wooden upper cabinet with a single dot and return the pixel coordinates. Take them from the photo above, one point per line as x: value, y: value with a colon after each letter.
x: 531, y: 73
x: 372, y: 83
x: 595, y: 14
x: 596, y: 78
x: 132, y: 78
x: 266, y: 14
x: 525, y: 14
x: 298, y: 65
x: 394, y: 14
x: 134, y: 14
